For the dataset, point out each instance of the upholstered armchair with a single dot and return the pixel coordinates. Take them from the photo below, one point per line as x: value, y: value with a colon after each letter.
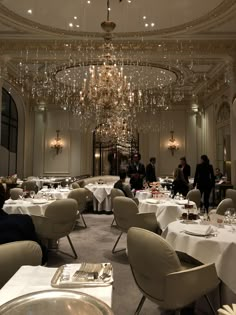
x: 160, y: 276
x: 16, y: 254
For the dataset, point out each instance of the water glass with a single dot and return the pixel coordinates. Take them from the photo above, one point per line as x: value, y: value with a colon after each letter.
x: 32, y: 194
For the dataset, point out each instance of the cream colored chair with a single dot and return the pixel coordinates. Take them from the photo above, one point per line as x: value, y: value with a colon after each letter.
x: 29, y: 185
x: 16, y: 254
x: 81, y: 197
x: 224, y: 205
x: 58, y: 221
x: 126, y: 215
x: 231, y: 193
x: 15, y: 193
x: 75, y: 185
x: 159, y: 275
x: 195, y: 196
x: 115, y: 193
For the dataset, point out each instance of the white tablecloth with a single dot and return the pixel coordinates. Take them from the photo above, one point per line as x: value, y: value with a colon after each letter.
x: 167, y: 210
x: 220, y: 250
x: 32, y: 279
x: 25, y: 207
x: 101, y: 194
x: 54, y: 193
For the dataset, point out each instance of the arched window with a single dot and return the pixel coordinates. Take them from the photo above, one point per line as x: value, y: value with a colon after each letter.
x: 9, y: 131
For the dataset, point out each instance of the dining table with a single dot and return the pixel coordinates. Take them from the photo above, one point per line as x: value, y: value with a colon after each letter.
x: 101, y: 195
x: 166, y: 209
x: 29, y: 279
x: 208, y: 244
x: 27, y: 206
x: 54, y: 193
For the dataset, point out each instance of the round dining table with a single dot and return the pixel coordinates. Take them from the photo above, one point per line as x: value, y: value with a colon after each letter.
x: 166, y: 209
x: 218, y: 247
x: 28, y: 206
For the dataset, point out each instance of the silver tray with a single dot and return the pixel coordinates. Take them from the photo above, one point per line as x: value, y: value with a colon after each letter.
x: 83, y: 275
x: 54, y: 302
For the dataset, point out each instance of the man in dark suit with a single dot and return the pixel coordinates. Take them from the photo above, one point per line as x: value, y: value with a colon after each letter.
x: 150, y: 171
x: 136, y: 172
x: 185, y: 168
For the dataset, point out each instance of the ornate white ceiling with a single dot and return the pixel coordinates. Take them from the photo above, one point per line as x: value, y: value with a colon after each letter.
x: 130, y: 16
x: 194, y: 38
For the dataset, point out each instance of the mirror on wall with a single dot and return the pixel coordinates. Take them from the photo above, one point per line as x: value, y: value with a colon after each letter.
x: 223, y: 153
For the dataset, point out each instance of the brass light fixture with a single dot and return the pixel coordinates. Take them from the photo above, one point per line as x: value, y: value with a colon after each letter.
x: 172, y: 144
x: 57, y: 143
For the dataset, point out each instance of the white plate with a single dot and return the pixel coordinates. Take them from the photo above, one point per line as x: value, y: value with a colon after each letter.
x: 39, y: 201
x: 197, y: 234
x: 152, y: 201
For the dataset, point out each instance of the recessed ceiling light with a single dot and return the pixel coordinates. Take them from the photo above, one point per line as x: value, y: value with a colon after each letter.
x: 66, y: 45
x: 146, y: 25
x: 159, y: 45
x: 75, y: 17
x: 88, y: 1
x: 29, y: 11
x: 144, y: 17
x: 77, y: 25
x: 129, y: 1
x: 152, y: 24
x: 70, y: 24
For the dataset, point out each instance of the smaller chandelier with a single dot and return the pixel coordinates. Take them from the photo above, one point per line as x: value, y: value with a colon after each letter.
x: 172, y: 144
x: 57, y: 143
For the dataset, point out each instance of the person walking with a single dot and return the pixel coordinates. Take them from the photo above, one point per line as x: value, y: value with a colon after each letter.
x: 204, y: 179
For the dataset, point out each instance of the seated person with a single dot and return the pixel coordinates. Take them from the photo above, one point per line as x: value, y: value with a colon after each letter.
x: 179, y: 184
x: 120, y: 184
x: 218, y: 175
x: 17, y: 227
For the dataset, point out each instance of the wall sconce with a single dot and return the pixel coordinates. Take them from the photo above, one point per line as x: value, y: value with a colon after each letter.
x: 57, y: 144
x: 173, y: 144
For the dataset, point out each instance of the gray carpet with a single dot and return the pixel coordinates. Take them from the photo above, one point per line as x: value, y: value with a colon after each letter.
x: 94, y: 244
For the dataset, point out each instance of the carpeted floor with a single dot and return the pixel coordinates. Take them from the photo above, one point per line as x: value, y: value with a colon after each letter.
x: 94, y: 244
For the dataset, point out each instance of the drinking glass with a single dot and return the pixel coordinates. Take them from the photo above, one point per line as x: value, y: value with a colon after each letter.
x: 32, y: 194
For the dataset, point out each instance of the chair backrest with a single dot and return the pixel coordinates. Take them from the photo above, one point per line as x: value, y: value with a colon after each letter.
x: 30, y: 185
x: 15, y: 193
x: 62, y: 211
x: 224, y: 205
x: 195, y: 196
x: 231, y: 193
x: 151, y: 259
x: 116, y: 193
x: 75, y: 185
x: 16, y: 254
x: 125, y: 211
x: 81, y: 197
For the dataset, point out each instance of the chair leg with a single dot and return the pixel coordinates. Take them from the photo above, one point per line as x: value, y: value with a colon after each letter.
x: 209, y: 303
x: 113, y: 221
x: 85, y: 225
x: 114, y: 247
x: 140, y: 305
x: 72, y: 247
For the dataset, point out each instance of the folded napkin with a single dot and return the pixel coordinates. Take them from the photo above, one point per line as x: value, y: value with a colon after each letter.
x: 227, y: 310
x: 199, y: 230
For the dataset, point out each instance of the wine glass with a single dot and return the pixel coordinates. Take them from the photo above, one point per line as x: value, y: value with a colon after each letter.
x: 32, y: 194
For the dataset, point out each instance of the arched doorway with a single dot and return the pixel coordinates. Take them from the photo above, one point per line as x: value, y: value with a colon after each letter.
x: 110, y: 155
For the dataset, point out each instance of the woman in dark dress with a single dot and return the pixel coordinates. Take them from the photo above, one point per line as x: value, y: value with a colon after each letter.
x: 204, y: 179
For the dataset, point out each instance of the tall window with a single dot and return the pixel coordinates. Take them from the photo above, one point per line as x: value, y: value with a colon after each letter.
x: 9, y: 130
